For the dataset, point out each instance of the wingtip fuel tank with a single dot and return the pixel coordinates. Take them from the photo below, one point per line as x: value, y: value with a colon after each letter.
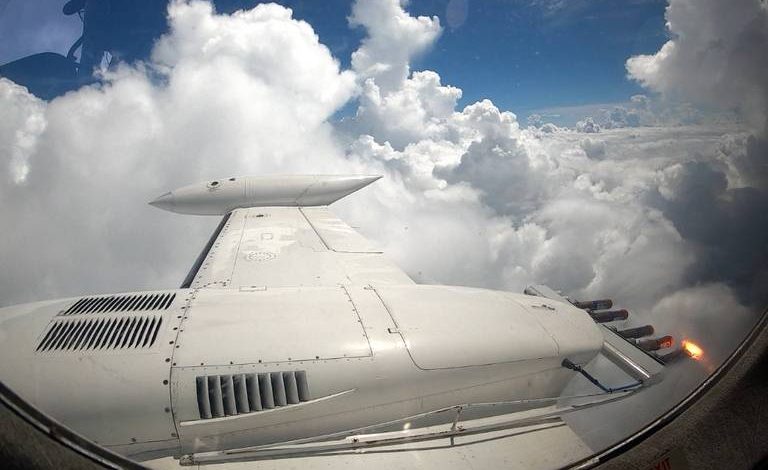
x: 218, y: 197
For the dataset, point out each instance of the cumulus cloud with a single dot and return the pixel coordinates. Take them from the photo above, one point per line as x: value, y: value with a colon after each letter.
x: 705, y: 311
x: 588, y: 126
x: 218, y: 98
x: 21, y: 122
x: 393, y: 39
x: 469, y: 197
x: 716, y: 55
x: 593, y: 148
x: 658, y: 217
x: 419, y: 109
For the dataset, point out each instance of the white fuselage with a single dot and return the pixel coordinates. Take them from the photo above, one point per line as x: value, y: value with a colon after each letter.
x: 155, y: 377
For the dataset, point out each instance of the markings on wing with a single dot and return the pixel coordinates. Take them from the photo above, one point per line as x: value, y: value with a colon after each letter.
x: 292, y: 246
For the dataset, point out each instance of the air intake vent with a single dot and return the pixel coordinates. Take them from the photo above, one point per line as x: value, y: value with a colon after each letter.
x: 228, y: 395
x: 103, y: 333
x: 121, y: 303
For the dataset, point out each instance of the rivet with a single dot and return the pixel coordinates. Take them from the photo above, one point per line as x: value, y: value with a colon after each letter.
x: 167, y: 359
x: 165, y: 382
x: 167, y: 410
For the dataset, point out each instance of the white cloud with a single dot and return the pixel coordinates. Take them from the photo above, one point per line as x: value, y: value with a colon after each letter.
x: 469, y: 197
x: 217, y: 100
x: 588, y: 126
x: 419, y: 109
x: 716, y: 55
x: 393, y: 39
x: 21, y: 122
x: 709, y: 314
x: 593, y: 148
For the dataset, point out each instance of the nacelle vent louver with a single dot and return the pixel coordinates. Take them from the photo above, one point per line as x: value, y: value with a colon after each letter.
x: 101, y: 333
x: 121, y: 303
x: 229, y: 395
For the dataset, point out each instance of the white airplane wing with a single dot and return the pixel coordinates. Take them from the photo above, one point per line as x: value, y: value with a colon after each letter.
x: 279, y: 232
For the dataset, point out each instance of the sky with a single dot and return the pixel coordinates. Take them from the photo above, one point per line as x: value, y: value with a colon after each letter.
x: 652, y: 192
x: 522, y: 54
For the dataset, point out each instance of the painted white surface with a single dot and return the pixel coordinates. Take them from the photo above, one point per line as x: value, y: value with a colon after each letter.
x: 218, y: 197
x: 282, y: 247
x: 543, y: 446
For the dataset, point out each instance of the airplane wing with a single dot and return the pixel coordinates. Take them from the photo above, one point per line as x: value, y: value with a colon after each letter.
x: 279, y: 232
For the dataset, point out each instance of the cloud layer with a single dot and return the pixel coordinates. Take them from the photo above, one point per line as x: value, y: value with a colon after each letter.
x: 645, y: 214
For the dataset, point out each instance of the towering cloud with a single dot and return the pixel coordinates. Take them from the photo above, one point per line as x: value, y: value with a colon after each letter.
x: 393, y: 38
x: 222, y: 95
x: 469, y: 197
x: 716, y: 55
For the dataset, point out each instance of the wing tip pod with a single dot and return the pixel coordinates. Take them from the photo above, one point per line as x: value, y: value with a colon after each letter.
x: 219, y: 197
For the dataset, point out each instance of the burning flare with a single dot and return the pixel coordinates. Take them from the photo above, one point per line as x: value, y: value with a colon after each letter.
x: 692, y: 349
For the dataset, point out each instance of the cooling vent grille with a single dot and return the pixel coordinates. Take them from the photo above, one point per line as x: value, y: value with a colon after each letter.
x: 229, y: 395
x: 121, y: 303
x: 84, y: 334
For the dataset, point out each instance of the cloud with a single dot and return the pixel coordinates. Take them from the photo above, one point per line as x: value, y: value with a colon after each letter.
x: 469, y: 197
x: 393, y: 39
x: 705, y: 311
x: 21, y: 123
x: 217, y: 99
x: 667, y: 220
x: 588, y: 126
x: 593, y: 148
x: 419, y: 109
x: 716, y: 55
x: 726, y: 225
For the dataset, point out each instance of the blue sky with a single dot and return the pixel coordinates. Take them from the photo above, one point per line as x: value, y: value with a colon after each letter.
x: 525, y: 55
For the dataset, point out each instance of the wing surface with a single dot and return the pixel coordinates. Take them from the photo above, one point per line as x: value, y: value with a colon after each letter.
x: 260, y: 247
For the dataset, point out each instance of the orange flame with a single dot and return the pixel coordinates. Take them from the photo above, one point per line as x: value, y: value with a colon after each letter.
x: 692, y: 349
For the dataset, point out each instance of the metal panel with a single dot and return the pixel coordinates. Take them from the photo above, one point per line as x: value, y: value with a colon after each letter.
x: 241, y: 394
x: 254, y: 395
x: 291, y: 389
x: 265, y: 389
x: 449, y: 327
x: 203, y: 398
x: 278, y: 388
x: 279, y: 247
x: 335, y: 233
x: 302, y: 385
x: 120, y: 396
x: 320, y: 323
x: 120, y: 303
